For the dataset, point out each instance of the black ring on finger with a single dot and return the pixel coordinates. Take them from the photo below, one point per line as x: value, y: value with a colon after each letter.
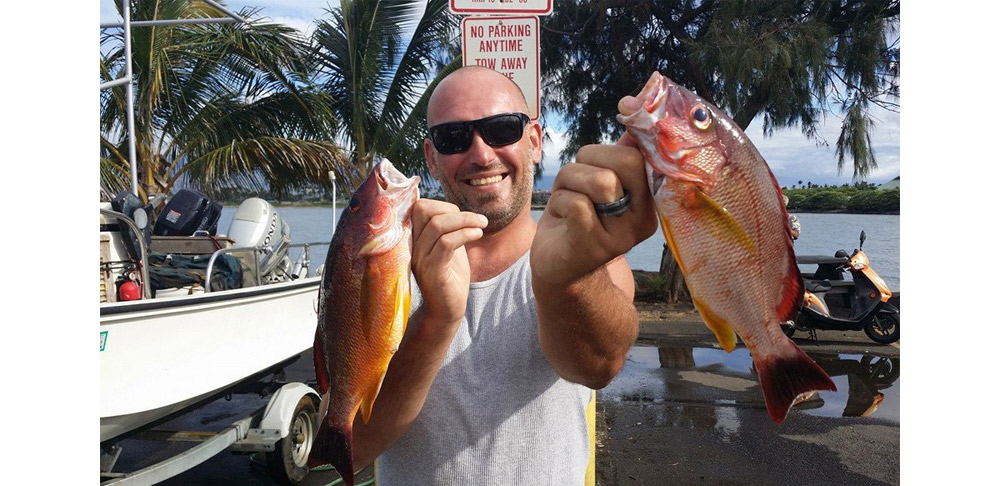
x: 614, y: 208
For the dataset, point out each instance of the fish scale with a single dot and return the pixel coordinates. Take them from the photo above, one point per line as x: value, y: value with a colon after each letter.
x: 721, y: 212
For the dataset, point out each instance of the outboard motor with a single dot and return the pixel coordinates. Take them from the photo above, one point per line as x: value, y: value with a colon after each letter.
x: 186, y: 213
x: 257, y: 224
x: 130, y: 205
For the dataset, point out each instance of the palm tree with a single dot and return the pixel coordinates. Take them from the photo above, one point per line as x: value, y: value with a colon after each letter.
x: 217, y: 105
x: 380, y: 82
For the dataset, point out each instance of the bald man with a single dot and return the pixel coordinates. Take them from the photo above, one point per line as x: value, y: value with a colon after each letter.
x: 515, y: 323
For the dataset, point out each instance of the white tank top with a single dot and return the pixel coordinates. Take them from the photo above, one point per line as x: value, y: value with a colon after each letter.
x: 497, y: 413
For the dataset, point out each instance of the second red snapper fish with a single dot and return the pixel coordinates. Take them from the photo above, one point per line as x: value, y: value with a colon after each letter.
x: 722, y: 214
x: 363, y: 309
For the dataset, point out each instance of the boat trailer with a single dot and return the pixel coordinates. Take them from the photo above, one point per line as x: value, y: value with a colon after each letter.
x: 283, y: 429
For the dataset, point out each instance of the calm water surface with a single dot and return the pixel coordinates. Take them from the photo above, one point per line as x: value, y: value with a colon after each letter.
x: 822, y: 234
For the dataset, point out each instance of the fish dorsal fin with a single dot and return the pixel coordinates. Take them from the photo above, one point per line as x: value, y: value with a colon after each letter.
x: 720, y: 222
x: 723, y: 331
x: 400, y: 317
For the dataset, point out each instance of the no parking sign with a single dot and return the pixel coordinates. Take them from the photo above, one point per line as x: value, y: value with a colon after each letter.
x: 508, y: 45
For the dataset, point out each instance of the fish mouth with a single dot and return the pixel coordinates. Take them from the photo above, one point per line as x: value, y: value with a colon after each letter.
x: 403, y: 191
x: 661, y: 101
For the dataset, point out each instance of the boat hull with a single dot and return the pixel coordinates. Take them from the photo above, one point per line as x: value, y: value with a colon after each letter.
x: 163, y: 355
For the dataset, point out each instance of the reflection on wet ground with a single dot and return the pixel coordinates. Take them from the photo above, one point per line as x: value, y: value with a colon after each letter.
x: 683, y: 414
x: 867, y: 385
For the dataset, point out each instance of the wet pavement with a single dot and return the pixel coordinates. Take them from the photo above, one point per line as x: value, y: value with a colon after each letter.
x: 682, y: 411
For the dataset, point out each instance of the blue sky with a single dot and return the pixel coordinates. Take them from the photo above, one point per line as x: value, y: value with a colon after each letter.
x: 791, y: 156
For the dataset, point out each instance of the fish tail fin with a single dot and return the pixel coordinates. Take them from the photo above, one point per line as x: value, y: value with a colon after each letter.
x: 787, y: 374
x: 334, y: 446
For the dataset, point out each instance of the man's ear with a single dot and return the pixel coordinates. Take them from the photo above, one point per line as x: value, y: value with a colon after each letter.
x: 535, y: 135
x: 429, y: 158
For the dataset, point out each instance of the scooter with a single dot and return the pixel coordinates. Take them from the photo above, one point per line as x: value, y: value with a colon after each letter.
x: 863, y: 301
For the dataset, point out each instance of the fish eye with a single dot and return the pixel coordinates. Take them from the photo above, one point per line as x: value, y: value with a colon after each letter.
x: 355, y: 203
x: 700, y: 117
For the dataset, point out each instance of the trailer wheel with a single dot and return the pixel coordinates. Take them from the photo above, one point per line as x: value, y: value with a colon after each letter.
x: 883, y: 328
x: 287, y: 463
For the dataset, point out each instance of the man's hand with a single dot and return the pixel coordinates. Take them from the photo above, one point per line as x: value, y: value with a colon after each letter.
x: 439, y: 261
x: 572, y: 239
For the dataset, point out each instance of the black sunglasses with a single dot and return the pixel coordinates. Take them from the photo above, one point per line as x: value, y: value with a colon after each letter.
x: 496, y: 130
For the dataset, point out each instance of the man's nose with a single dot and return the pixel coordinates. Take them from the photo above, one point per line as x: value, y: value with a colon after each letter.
x: 479, y: 151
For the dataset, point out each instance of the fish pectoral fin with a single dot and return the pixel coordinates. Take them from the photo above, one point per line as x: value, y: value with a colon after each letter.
x: 723, y: 331
x: 719, y: 222
x: 401, y: 313
x: 368, y: 399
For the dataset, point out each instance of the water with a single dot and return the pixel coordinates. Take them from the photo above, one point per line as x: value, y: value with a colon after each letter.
x: 867, y: 385
x: 822, y: 234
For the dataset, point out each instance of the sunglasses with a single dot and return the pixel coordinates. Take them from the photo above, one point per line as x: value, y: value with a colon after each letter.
x: 497, y: 131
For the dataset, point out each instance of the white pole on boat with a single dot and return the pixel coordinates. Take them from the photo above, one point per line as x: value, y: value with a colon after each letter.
x: 333, y: 183
x: 130, y: 116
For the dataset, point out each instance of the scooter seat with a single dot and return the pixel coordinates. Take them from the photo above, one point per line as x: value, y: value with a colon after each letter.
x: 815, y: 286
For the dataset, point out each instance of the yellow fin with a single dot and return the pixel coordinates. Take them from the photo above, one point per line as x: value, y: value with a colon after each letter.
x: 401, y: 315
x: 723, y: 331
x: 665, y: 226
x: 368, y: 400
x: 722, y: 224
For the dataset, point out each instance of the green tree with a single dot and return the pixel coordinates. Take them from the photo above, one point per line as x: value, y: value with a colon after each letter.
x: 785, y: 61
x: 381, y: 79
x: 216, y: 105
x: 825, y: 200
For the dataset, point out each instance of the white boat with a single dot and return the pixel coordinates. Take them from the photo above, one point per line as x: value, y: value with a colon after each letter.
x: 187, y: 316
x: 161, y: 355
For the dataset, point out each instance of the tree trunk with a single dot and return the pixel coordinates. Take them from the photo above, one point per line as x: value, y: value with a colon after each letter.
x: 676, y: 290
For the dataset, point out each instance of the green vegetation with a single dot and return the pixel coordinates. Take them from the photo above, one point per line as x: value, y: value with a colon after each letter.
x: 380, y: 77
x: 785, y: 62
x: 254, y: 108
x: 854, y: 198
x: 216, y: 105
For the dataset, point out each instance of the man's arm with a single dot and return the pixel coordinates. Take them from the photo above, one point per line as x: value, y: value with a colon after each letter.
x: 582, y: 284
x: 439, y: 262
x: 586, y: 328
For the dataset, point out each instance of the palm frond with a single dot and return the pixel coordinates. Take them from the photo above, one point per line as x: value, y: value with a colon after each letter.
x: 266, y: 163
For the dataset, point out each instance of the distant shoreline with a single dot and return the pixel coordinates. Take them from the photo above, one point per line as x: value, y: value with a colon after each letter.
x: 534, y: 207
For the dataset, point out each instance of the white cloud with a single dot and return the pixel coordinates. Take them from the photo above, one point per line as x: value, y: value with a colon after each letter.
x: 296, y: 13
x: 792, y: 157
x: 551, y: 147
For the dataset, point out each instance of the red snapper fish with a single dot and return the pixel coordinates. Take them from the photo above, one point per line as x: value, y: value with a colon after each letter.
x: 364, y: 307
x: 722, y: 214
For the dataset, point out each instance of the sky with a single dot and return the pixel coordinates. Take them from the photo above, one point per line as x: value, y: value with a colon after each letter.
x: 791, y: 156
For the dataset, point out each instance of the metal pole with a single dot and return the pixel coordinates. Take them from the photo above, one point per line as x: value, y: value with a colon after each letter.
x: 333, y: 182
x: 155, y: 23
x: 225, y: 10
x: 129, y: 93
x: 117, y: 82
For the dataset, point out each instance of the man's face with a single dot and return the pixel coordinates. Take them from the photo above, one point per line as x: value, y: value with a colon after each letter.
x: 493, y: 181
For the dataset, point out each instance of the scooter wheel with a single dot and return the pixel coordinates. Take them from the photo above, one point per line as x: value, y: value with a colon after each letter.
x: 883, y: 328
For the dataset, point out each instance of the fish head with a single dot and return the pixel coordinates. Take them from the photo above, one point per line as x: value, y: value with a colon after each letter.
x: 379, y: 213
x: 680, y: 134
